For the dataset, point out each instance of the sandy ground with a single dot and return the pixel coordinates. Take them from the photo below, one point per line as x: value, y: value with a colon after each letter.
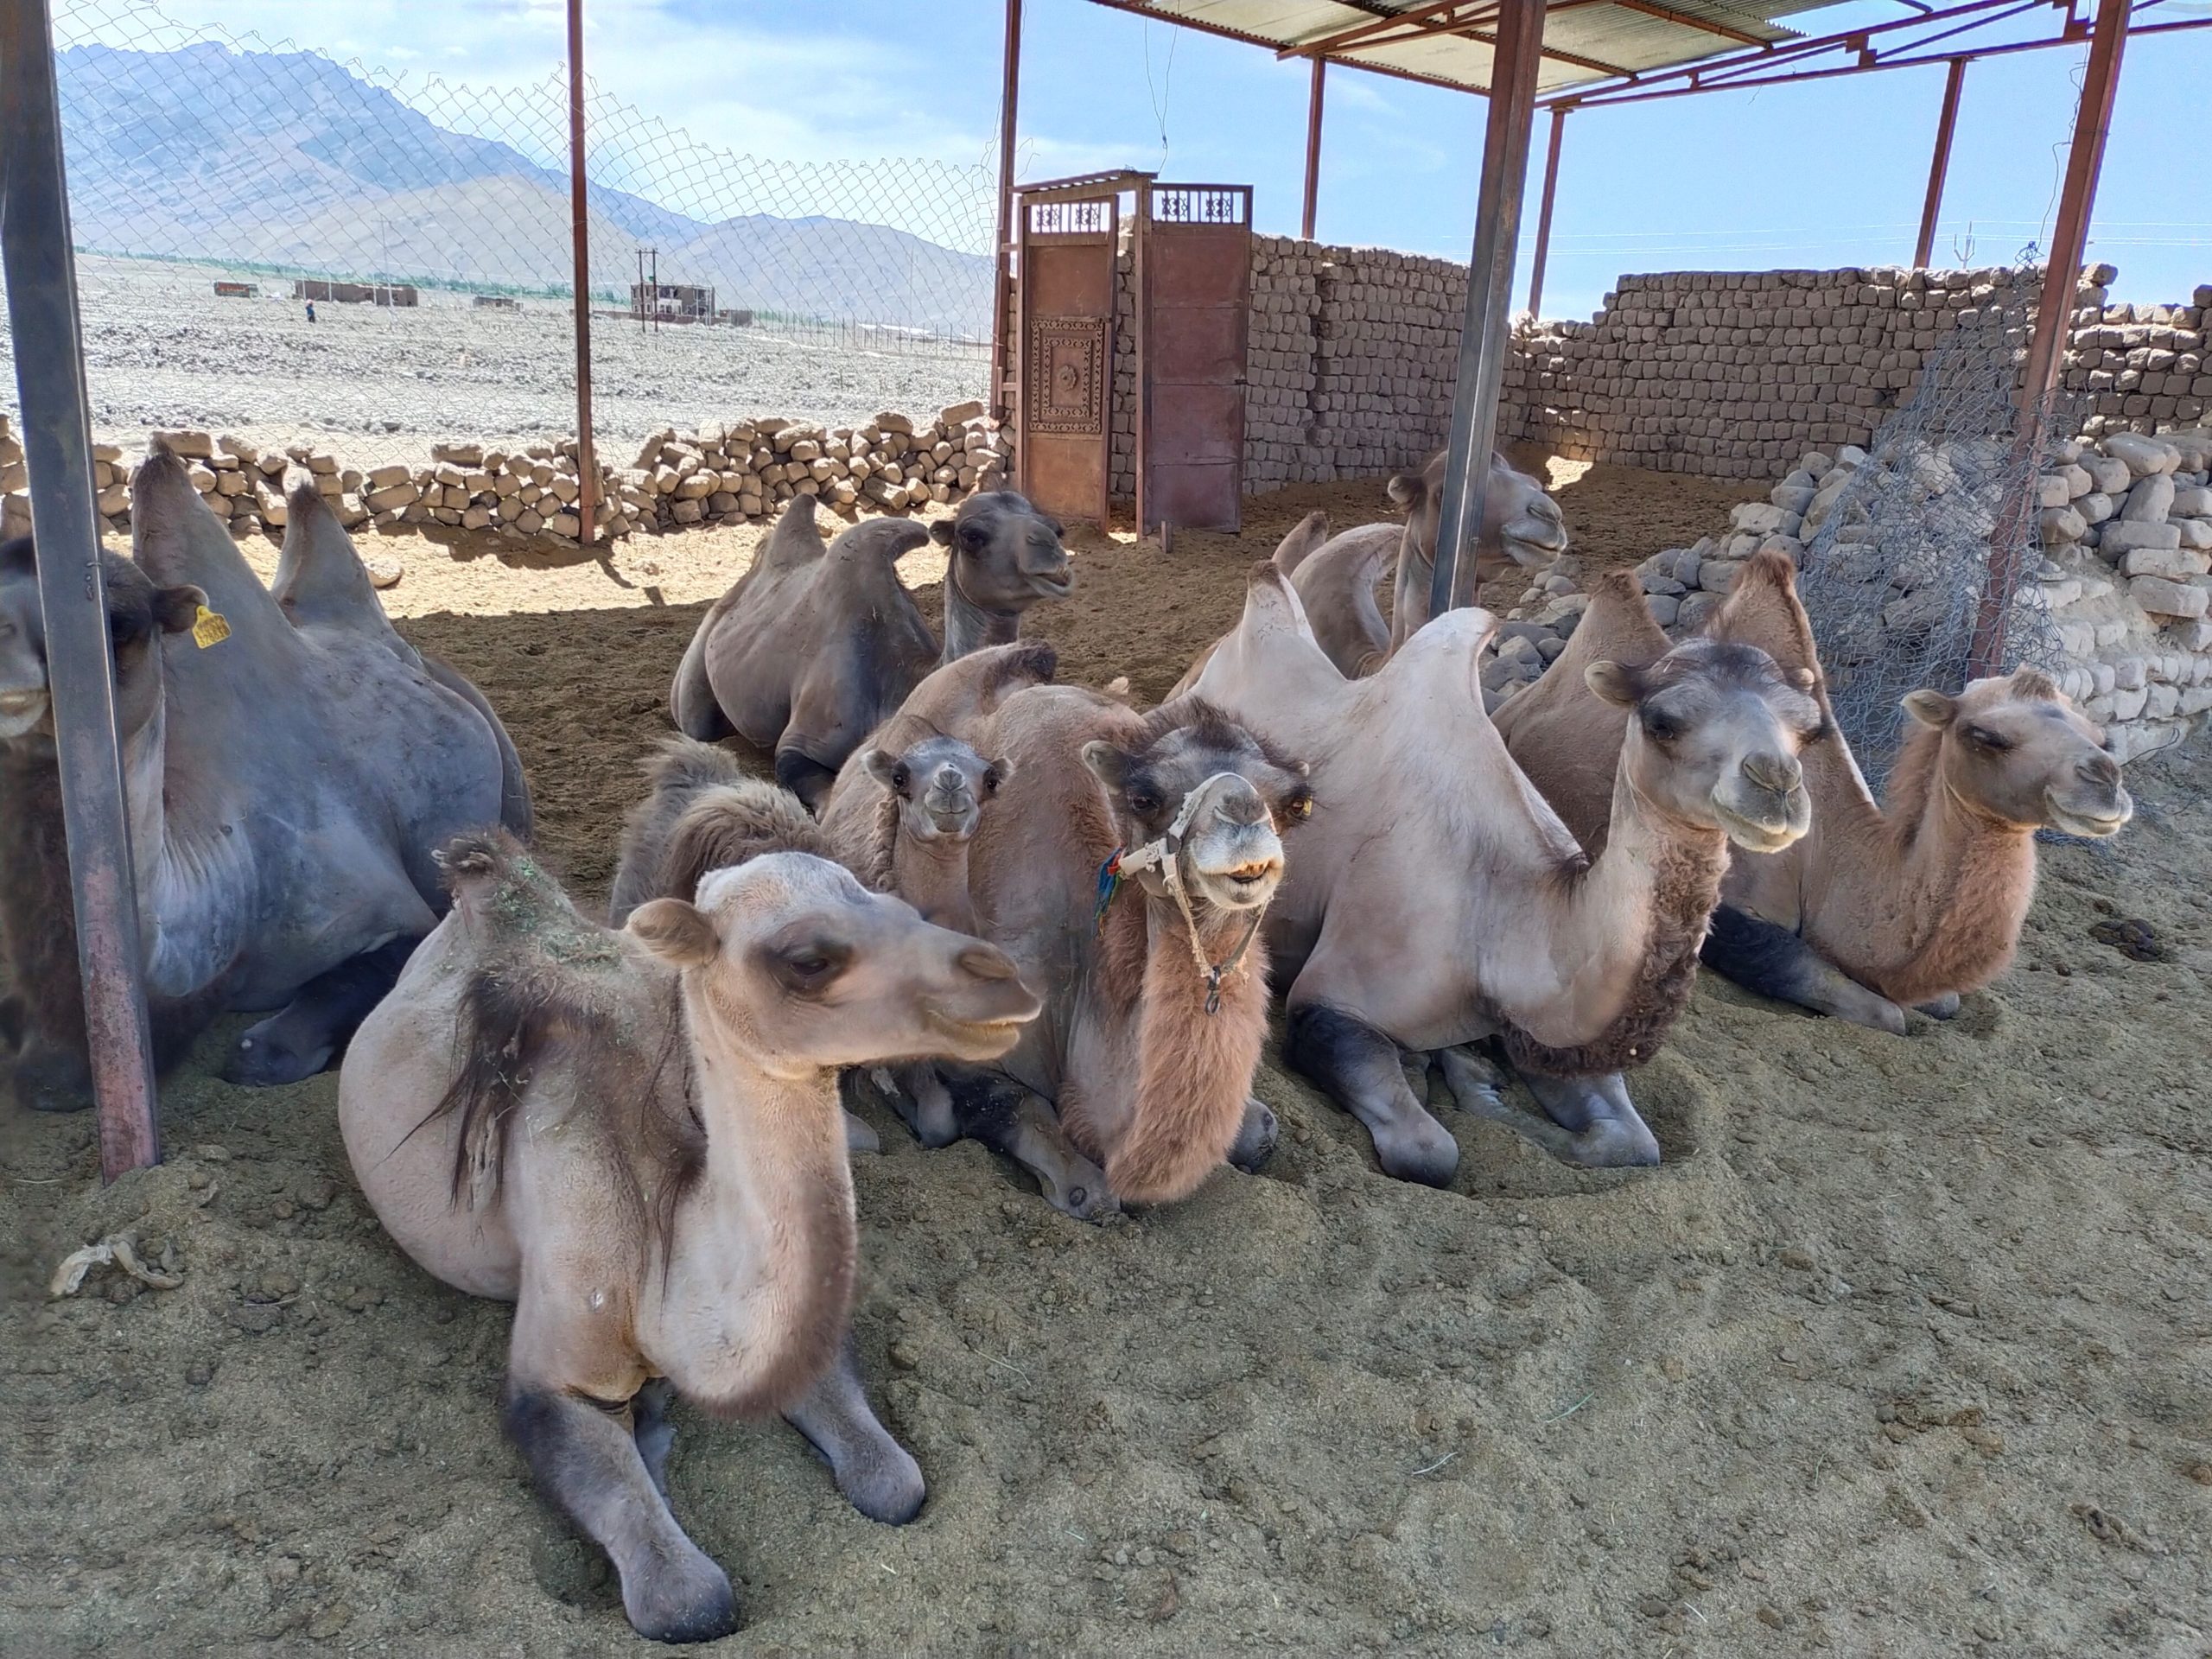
x: 1905, y: 1350
x: 381, y: 384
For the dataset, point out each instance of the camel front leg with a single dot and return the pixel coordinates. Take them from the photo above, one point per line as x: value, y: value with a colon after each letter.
x: 1256, y: 1138
x: 1588, y: 1122
x: 918, y: 1093
x: 877, y: 1475
x: 303, y: 1037
x: 1360, y: 1068
x: 1011, y: 1120
x: 1771, y: 961
x: 588, y: 1458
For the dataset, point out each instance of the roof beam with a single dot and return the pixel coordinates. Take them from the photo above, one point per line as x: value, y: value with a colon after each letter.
x: 1358, y: 34
x: 1669, y: 15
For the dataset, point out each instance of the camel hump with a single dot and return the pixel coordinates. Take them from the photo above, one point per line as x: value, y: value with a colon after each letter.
x: 703, y: 812
x: 889, y: 539
x: 796, y: 540
x: 684, y: 766
x: 1617, y: 625
x: 1763, y: 609
x: 1306, y: 538
x: 179, y: 543
x: 321, y: 580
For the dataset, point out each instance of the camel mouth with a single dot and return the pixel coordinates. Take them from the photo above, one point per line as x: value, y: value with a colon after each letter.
x: 2097, y: 826
x: 977, y: 1040
x: 21, y: 711
x: 1758, y: 835
x: 1053, y: 587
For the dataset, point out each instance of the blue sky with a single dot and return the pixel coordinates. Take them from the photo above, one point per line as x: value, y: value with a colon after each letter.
x: 1819, y: 174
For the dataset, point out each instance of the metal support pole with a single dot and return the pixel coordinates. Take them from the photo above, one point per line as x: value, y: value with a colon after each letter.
x: 2053, y: 318
x: 1940, y: 165
x: 1313, y: 149
x: 1489, y: 296
x: 579, y: 236
x: 1002, y: 244
x: 41, y: 277
x: 1544, y: 212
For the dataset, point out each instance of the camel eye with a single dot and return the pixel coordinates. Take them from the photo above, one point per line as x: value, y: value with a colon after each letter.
x: 991, y: 781
x: 809, y: 970
x: 1143, y: 803
x: 901, y: 779
x: 1660, y: 727
x: 1982, y: 738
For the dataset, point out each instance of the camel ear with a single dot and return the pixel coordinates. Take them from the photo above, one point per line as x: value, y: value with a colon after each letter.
x: 1407, y: 489
x: 882, y: 766
x: 676, y: 931
x: 1931, y: 708
x: 176, y: 610
x: 941, y: 532
x: 1109, y: 765
x: 1614, y: 682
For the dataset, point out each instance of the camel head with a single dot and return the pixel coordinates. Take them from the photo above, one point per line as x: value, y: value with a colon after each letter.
x: 809, y: 971
x: 1213, y: 796
x: 1715, y: 737
x: 941, y: 786
x: 138, y: 614
x: 1006, y: 555
x: 2012, y: 747
x: 1522, y: 521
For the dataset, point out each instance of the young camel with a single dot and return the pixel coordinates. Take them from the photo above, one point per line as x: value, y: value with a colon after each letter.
x: 1874, y: 911
x: 635, y: 1136
x: 1579, y: 966
x: 815, y: 646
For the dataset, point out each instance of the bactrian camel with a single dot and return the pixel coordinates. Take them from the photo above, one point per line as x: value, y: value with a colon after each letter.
x: 287, y: 780
x: 1877, y: 909
x: 815, y: 646
x: 635, y: 1136
x: 1436, y: 901
x: 1522, y: 527
x: 1335, y: 576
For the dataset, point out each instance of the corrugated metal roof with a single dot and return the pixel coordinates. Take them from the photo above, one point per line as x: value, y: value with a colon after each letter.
x: 1583, y: 39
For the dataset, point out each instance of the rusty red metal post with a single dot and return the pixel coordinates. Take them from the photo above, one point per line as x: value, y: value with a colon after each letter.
x: 2053, y: 318
x: 579, y: 236
x: 1490, y: 298
x: 1002, y: 241
x: 1542, y: 255
x: 41, y: 279
x: 1940, y: 165
x: 1313, y: 149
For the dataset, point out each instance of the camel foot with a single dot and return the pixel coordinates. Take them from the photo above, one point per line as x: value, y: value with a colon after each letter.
x: 303, y: 1038
x: 1601, y: 1128
x: 1009, y: 1119
x: 688, y: 1600
x: 878, y: 1476
x: 1256, y: 1140
x: 919, y: 1095
x: 1360, y: 1068
x: 52, y: 1080
x: 861, y: 1136
x: 1945, y: 1006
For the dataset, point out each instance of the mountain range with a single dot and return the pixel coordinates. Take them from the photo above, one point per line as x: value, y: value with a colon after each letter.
x: 287, y: 159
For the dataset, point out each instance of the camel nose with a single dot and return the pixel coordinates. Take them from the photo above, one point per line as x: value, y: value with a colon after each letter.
x: 985, y: 962
x: 1241, y: 806
x: 948, y: 791
x: 2099, y: 771
x: 1779, y: 773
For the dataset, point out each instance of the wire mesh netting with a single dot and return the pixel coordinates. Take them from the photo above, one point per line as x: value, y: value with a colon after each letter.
x: 221, y: 184
x: 1894, y: 574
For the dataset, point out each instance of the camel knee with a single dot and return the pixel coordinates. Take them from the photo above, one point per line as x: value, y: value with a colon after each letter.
x: 1256, y: 1138
x: 805, y: 776
x: 1360, y: 1068
x: 309, y: 1032
x: 1771, y: 961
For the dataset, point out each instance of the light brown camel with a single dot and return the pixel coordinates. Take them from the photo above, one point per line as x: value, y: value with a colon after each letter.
x: 1126, y: 867
x: 1335, y: 576
x: 815, y: 646
x: 1522, y: 526
x: 1875, y: 910
x: 635, y: 1136
x: 1436, y: 899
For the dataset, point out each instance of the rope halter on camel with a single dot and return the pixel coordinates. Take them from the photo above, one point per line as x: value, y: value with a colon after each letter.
x: 1158, y: 868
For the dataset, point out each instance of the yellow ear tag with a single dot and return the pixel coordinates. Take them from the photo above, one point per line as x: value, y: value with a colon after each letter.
x: 209, y: 628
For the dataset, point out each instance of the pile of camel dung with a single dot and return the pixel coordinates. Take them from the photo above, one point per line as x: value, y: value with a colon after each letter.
x: 1902, y: 1349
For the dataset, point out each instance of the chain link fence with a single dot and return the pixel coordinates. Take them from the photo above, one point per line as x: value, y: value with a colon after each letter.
x: 221, y: 185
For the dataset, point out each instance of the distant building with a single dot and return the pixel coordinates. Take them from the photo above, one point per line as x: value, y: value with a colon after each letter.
x: 236, y: 291
x: 735, y: 318
x: 400, y: 294
x: 496, y: 302
x: 671, y: 301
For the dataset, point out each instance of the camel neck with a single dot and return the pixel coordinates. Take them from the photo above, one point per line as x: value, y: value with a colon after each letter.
x: 774, y: 1241
x: 933, y: 877
x: 968, y: 627
x: 1963, y: 880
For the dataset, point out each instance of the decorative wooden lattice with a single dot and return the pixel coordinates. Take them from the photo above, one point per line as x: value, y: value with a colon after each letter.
x: 1067, y: 376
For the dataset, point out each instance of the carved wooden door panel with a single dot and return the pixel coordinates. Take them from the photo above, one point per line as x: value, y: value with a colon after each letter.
x: 1063, y: 425
x: 1194, y: 318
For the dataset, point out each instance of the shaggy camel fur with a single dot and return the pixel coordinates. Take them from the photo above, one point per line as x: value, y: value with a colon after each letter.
x: 1522, y: 526
x: 815, y: 646
x: 635, y: 1136
x: 1874, y: 909
x: 1335, y: 577
x: 1153, y: 978
x: 1579, y: 966
x: 286, y: 784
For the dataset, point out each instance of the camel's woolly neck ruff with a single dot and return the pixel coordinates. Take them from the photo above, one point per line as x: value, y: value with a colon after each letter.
x: 1960, y: 882
x: 1194, y: 1069
x: 1669, y: 871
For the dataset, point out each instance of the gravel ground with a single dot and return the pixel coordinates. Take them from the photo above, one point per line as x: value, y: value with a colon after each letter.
x: 161, y: 351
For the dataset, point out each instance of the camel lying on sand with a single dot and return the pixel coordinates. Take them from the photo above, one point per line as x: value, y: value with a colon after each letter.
x: 1522, y: 526
x: 287, y: 783
x: 815, y: 646
x: 1875, y: 910
x: 635, y: 1137
x: 1126, y: 867
x: 1435, y: 899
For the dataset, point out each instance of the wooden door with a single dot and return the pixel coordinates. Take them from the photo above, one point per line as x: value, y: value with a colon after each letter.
x: 1194, y: 318
x: 1063, y: 425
